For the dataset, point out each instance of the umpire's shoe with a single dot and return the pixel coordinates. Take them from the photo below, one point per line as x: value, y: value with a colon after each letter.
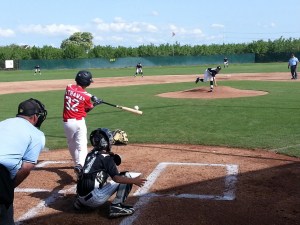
x: 117, y: 210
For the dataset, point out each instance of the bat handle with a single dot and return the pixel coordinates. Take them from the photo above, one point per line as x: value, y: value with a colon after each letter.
x: 109, y: 104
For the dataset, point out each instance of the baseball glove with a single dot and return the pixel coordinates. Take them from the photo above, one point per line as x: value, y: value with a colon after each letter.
x: 119, y: 137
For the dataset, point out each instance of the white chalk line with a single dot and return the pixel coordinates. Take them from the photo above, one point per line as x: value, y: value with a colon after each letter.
x: 143, y: 192
x: 46, y: 202
x: 145, y: 196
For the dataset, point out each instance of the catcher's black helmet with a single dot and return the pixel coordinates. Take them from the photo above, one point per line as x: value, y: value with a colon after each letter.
x: 84, y: 78
x: 101, y: 139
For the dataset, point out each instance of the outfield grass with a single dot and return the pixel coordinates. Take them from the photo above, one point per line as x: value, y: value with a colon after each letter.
x: 26, y: 75
x: 267, y: 122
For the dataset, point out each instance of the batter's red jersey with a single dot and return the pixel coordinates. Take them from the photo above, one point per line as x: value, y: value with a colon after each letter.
x: 76, y: 102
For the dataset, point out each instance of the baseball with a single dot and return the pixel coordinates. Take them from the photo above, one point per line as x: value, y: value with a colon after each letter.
x: 136, y: 107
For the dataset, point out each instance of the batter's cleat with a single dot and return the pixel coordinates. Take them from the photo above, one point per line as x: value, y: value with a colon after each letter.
x: 118, y: 210
x: 197, y: 80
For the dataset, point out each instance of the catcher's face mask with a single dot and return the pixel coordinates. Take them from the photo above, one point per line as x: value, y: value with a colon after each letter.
x: 101, y: 139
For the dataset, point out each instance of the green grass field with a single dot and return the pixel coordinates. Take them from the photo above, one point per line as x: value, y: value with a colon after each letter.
x: 269, y: 122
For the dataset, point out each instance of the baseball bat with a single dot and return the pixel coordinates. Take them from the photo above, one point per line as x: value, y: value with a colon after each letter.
x: 138, y: 112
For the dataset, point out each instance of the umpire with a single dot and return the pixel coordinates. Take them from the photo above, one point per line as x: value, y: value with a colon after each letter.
x: 21, y: 142
x: 293, y: 63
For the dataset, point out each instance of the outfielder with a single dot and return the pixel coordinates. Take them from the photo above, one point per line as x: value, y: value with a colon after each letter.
x: 77, y: 103
x: 139, y: 70
x: 100, y: 177
x: 210, y: 75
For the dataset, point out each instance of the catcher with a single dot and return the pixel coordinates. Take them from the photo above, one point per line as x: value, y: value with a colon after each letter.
x: 94, y: 186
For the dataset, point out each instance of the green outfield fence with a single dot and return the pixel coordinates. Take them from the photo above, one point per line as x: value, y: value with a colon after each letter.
x: 132, y: 61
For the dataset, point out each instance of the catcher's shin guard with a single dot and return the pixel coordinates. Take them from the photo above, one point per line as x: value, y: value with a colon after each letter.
x: 123, y: 191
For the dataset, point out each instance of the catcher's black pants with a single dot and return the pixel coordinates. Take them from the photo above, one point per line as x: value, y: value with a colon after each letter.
x: 6, y: 197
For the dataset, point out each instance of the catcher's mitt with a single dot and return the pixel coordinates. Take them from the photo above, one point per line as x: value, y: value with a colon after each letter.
x: 119, y: 137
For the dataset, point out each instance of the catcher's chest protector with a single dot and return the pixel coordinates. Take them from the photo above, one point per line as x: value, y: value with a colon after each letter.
x: 93, y: 174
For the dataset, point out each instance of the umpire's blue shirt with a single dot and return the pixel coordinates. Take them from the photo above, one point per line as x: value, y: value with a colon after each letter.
x: 293, y: 61
x: 19, y: 141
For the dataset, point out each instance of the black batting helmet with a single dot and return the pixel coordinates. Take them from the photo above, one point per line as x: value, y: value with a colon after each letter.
x: 84, y: 78
x: 101, y: 139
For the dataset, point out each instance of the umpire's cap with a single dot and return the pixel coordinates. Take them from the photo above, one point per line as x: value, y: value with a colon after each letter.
x: 32, y: 107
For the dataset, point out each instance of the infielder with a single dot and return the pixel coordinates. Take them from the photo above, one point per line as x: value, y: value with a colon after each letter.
x: 293, y: 63
x: 100, y: 177
x: 139, y: 70
x: 77, y: 103
x: 210, y: 75
x: 21, y: 142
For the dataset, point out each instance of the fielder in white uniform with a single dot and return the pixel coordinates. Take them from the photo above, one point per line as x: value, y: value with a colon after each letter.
x: 139, y: 70
x: 210, y: 75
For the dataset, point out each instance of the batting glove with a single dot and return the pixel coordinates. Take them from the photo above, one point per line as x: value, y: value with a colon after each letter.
x: 96, y: 100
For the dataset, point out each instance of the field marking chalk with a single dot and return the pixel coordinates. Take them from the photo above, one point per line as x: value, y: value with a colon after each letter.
x: 145, y: 196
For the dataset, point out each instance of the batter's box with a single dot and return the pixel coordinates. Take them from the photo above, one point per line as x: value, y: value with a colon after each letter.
x: 221, y: 181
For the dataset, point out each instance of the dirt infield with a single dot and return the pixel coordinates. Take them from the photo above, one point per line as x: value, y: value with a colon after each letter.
x: 187, y: 184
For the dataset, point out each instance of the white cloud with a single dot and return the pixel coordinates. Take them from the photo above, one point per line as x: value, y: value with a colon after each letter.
x: 177, y: 30
x: 6, y: 33
x: 120, y: 25
x: 197, y: 31
x: 51, y: 29
x: 117, y: 38
x: 216, y: 25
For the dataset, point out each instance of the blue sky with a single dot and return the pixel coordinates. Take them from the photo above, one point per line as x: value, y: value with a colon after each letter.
x: 142, y: 22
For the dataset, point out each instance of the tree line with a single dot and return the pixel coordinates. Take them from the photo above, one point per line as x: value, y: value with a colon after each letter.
x: 80, y: 45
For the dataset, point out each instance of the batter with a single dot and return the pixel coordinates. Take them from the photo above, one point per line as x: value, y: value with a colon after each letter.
x: 77, y: 103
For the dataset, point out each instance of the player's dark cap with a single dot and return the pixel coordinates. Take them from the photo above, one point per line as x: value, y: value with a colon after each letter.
x: 219, y: 67
x: 32, y: 107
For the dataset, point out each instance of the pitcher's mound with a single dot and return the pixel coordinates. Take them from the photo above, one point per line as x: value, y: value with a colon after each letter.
x: 219, y: 92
